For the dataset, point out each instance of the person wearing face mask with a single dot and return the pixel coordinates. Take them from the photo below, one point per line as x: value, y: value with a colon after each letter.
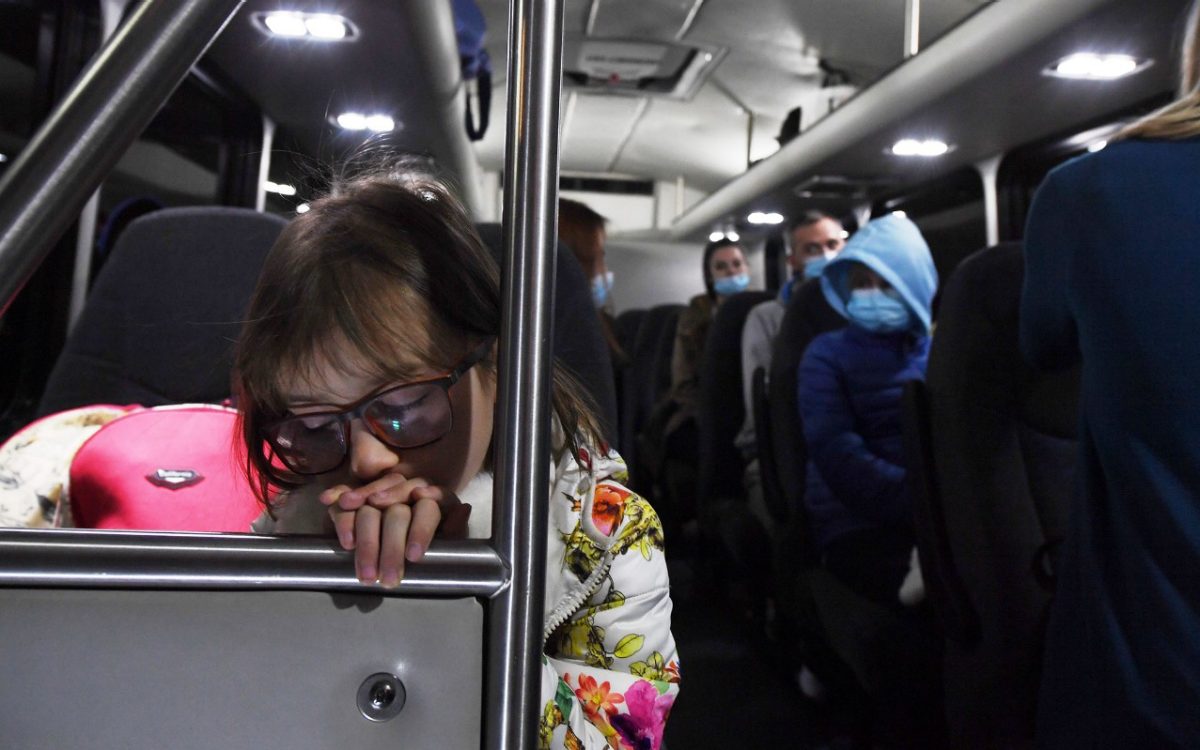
x: 814, y: 238
x: 583, y: 230
x: 670, y: 437
x: 849, y: 391
x: 725, y: 273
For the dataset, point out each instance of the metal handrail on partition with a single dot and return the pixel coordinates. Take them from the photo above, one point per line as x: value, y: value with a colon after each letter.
x: 115, y: 98
x: 89, y: 558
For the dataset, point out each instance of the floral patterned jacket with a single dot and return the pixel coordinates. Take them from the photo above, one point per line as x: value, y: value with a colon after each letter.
x: 610, y: 670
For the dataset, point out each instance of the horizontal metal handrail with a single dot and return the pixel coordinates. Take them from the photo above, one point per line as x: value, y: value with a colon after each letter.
x: 87, y: 558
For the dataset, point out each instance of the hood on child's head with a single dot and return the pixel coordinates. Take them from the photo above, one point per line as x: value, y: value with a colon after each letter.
x: 892, y: 247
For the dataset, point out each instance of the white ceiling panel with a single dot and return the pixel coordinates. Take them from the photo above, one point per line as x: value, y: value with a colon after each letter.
x: 703, y: 140
x: 596, y: 129
x: 769, y: 67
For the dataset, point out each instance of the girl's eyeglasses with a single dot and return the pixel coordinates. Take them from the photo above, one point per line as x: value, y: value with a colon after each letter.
x: 409, y: 415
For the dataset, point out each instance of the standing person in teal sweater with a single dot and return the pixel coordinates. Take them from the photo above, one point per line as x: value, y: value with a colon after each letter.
x: 1112, y: 273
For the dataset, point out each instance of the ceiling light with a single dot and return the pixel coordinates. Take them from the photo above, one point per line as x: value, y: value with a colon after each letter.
x: 926, y: 149
x: 380, y: 123
x: 377, y: 123
x: 326, y: 26
x: 716, y: 236
x: 290, y: 24
x: 352, y: 121
x: 285, y: 24
x: 732, y: 236
x: 758, y: 217
x: 1097, y: 146
x: 3, y: 158
x: 302, y: 208
x: 1089, y: 66
x: 278, y: 188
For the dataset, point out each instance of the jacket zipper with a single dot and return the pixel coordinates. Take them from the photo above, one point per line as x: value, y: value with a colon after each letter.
x: 571, y: 604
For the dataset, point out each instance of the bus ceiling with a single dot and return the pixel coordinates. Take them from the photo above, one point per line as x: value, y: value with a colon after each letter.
x: 981, y: 90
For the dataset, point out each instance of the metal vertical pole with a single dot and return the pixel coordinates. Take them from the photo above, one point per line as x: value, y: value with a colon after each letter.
x: 85, y: 238
x: 912, y: 27
x: 107, y: 108
x: 989, y: 169
x: 523, y: 413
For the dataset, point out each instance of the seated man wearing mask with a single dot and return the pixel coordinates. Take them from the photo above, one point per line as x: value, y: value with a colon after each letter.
x: 814, y: 239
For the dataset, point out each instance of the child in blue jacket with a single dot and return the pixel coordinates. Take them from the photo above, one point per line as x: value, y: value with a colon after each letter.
x: 850, y: 386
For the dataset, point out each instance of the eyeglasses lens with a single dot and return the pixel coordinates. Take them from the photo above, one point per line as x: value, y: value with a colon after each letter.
x: 309, y: 445
x: 410, y: 416
x: 404, y: 417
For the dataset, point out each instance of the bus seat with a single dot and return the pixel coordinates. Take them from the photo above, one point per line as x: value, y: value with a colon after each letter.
x: 159, y: 324
x: 720, y: 496
x: 768, y: 471
x: 807, y: 316
x: 1003, y: 450
x: 625, y: 328
x: 578, y: 341
x: 649, y: 377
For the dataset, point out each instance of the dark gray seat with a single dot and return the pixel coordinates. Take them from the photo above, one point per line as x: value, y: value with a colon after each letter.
x: 161, y: 320
x: 649, y: 377
x: 782, y: 461
x: 998, y: 459
x: 719, y: 411
x: 625, y: 328
x: 578, y: 341
x: 808, y: 315
x: 720, y: 498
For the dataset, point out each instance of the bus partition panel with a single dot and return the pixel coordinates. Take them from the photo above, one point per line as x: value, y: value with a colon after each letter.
x: 79, y: 608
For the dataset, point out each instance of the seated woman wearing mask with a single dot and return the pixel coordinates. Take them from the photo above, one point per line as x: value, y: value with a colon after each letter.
x: 725, y: 273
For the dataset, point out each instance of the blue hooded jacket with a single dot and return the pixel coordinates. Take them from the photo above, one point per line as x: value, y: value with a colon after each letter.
x: 850, y: 384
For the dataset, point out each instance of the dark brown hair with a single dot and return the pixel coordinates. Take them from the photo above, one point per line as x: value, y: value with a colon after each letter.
x: 580, y: 226
x: 709, y: 250
x: 383, y: 248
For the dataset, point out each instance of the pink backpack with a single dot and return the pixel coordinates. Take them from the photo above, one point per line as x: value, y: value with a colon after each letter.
x: 168, y: 468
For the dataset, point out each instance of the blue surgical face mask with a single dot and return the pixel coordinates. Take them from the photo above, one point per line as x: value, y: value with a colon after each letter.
x: 732, y: 284
x: 814, y: 267
x: 600, y: 287
x: 878, y: 311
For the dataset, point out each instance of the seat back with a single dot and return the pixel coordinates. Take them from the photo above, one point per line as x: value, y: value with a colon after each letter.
x: 720, y: 410
x: 160, y: 322
x: 1003, y: 451
x: 643, y: 385
x: 625, y: 328
x: 808, y: 315
x: 578, y: 341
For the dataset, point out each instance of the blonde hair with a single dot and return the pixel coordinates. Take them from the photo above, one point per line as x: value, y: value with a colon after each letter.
x: 1181, y: 118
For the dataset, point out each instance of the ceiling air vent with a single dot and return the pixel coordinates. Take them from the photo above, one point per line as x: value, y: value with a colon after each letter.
x: 636, y: 67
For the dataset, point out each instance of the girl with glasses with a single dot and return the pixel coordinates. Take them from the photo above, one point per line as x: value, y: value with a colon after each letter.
x: 366, y: 377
